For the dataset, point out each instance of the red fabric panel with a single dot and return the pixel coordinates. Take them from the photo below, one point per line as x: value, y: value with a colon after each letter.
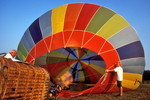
x: 32, y: 52
x: 92, y: 73
x: 48, y: 41
x: 109, y: 81
x: 66, y: 35
x: 95, y: 43
x: 29, y: 59
x: 81, y: 52
x: 57, y: 41
x: 107, y: 46
x: 41, y: 48
x: 110, y: 58
x: 85, y: 16
x: 72, y: 14
x: 31, y: 56
x: 75, y: 39
x: 97, y: 89
x: 66, y: 93
x: 45, y: 67
x: 87, y: 36
x: 55, y: 68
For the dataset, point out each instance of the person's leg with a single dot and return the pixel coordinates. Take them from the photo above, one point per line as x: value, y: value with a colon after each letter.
x: 119, y: 84
x: 120, y: 91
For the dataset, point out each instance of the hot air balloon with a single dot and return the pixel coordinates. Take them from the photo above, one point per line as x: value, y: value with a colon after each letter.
x: 85, y: 40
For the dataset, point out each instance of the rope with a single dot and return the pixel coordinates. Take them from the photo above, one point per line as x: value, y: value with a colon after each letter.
x: 104, y: 75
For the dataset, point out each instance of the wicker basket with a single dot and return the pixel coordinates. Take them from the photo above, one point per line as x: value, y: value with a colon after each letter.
x: 22, y: 81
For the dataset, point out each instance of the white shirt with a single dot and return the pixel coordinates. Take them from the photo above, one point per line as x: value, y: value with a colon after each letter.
x: 119, y: 72
x: 8, y: 56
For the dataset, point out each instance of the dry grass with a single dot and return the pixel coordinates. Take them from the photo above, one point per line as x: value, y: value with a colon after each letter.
x: 142, y: 93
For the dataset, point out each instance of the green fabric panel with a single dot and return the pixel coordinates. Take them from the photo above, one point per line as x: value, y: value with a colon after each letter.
x: 41, y: 60
x: 99, y: 19
x: 22, y: 52
x: 20, y: 56
x: 56, y: 57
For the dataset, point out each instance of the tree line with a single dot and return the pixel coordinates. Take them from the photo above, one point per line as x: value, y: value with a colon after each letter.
x: 146, y: 75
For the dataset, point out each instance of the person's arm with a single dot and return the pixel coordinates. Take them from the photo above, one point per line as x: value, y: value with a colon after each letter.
x: 3, y: 54
x: 112, y: 70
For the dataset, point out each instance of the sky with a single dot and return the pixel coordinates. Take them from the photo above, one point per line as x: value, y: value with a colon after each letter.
x: 17, y: 15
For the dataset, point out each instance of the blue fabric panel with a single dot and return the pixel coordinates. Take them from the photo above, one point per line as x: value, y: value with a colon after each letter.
x: 35, y: 31
x: 45, y: 24
x: 134, y: 65
x: 98, y: 63
x: 25, y: 44
x: 95, y: 57
x: 132, y: 50
x: 74, y: 67
x: 27, y: 40
x: 72, y: 52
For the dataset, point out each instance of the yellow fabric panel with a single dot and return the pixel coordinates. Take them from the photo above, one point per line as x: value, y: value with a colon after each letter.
x: 112, y: 26
x: 58, y: 17
x: 62, y: 72
x: 131, y: 80
x: 97, y: 68
x: 81, y: 78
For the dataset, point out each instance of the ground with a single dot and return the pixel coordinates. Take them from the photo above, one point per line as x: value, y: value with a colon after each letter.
x: 142, y: 93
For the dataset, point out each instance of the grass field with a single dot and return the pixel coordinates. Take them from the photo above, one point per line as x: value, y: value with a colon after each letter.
x: 142, y: 93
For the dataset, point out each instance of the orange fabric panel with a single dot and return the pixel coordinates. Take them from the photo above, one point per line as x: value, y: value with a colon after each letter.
x: 72, y: 14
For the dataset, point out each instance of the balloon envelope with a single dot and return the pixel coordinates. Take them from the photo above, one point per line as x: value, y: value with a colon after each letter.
x: 85, y: 40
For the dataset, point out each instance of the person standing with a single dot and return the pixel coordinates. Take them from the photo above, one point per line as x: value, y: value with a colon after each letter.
x: 119, y: 71
x: 11, y: 55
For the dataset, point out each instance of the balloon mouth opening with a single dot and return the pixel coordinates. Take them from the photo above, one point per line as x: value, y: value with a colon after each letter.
x: 74, y: 68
